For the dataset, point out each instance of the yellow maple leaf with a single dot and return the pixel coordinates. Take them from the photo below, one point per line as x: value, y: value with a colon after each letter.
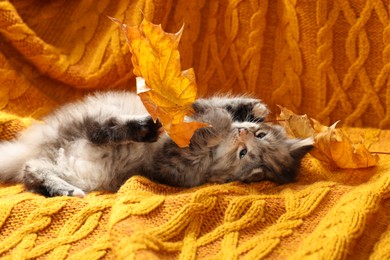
x: 166, y: 91
x: 331, y: 145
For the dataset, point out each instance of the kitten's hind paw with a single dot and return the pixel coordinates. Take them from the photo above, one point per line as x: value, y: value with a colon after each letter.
x: 145, y: 130
x: 122, y: 130
x: 66, y: 192
x: 50, y: 191
x: 61, y: 191
x: 76, y: 193
x: 42, y: 177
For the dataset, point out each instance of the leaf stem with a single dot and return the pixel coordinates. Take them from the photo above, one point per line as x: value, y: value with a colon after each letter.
x: 385, y: 153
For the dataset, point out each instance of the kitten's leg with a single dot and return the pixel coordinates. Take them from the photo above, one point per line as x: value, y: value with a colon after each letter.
x: 220, y: 121
x: 123, y: 129
x: 42, y: 176
x: 242, y: 109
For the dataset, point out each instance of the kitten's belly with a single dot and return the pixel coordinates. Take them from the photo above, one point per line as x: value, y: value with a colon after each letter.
x: 94, y: 167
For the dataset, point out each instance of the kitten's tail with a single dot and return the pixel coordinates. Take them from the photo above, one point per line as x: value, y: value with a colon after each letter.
x: 13, y: 156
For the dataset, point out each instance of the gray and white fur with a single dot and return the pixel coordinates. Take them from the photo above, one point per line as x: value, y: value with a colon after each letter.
x: 103, y: 140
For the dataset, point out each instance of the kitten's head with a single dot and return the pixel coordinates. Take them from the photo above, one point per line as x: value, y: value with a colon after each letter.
x: 256, y: 152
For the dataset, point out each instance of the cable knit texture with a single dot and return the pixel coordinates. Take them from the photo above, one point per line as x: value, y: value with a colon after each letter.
x: 327, y: 59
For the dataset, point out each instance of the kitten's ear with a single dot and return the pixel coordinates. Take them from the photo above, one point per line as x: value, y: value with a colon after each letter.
x: 300, y: 147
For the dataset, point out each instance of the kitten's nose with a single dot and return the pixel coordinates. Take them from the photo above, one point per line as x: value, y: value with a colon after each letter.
x: 243, y: 131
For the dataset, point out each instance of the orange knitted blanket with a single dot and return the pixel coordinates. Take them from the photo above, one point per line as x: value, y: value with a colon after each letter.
x: 328, y: 59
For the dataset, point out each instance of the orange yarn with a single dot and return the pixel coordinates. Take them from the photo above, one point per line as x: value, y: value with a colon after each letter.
x: 328, y: 59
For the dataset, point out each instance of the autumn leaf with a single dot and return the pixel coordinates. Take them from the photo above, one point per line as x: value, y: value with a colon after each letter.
x: 295, y: 125
x: 331, y: 145
x: 165, y: 90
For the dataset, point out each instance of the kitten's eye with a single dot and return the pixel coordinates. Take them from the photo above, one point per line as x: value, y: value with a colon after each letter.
x: 243, y: 152
x: 261, y: 135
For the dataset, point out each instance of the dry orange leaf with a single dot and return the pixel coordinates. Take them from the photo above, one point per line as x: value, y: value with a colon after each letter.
x: 166, y: 91
x: 331, y: 145
x: 295, y: 125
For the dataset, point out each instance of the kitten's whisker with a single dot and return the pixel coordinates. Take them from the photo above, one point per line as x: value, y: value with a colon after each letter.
x: 276, y: 120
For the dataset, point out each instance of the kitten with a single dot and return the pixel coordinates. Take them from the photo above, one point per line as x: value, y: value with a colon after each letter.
x: 100, y: 142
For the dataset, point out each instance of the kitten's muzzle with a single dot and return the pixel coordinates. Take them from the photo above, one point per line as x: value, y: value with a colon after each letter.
x: 242, y: 131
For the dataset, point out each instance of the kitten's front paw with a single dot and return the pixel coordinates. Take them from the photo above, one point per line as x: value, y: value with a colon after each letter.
x: 247, y: 109
x: 218, y: 118
x: 146, y: 130
x: 260, y: 111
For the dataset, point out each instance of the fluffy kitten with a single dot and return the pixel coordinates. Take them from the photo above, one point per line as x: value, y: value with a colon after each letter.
x: 100, y: 142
